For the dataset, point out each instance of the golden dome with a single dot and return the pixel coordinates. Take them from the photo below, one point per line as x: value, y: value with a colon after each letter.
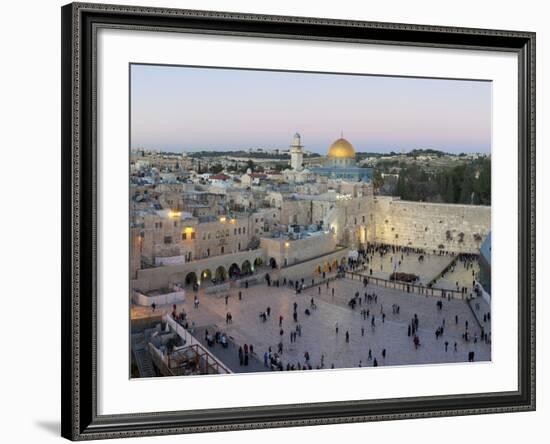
x: 341, y: 148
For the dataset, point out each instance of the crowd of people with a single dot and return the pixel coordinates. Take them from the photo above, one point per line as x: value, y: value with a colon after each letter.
x: 289, y: 331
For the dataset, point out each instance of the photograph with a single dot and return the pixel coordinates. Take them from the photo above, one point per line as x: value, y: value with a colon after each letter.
x: 306, y: 221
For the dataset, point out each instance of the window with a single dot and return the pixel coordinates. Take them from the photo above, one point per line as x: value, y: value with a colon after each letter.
x: 363, y: 219
x: 235, y: 232
x: 167, y: 239
x: 239, y: 231
x: 183, y: 236
x: 193, y: 235
x: 222, y: 250
x: 175, y: 223
x: 244, y: 230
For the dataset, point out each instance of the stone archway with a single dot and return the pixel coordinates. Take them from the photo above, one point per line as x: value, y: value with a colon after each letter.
x: 191, y: 278
x: 206, y: 275
x: 272, y: 262
x: 258, y: 262
x: 234, y: 271
x: 221, y: 274
x: 246, y: 267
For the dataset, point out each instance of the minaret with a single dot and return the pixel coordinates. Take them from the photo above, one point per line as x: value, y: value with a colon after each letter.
x: 296, y: 153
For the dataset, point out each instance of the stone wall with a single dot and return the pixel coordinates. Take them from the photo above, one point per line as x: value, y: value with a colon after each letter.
x: 288, y: 252
x: 152, y: 278
x: 432, y: 226
x: 314, y: 267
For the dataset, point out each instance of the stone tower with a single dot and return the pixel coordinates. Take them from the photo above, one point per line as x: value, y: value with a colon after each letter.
x: 296, y: 153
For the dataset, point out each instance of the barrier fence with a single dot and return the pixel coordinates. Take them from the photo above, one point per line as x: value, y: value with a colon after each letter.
x: 407, y: 287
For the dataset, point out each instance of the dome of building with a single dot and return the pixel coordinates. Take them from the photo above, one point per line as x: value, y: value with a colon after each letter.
x: 341, y: 148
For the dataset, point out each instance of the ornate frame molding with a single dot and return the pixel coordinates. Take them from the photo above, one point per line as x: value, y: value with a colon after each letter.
x: 80, y: 22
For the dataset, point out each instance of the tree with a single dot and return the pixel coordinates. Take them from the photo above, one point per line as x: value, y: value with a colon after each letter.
x: 216, y: 168
x: 450, y: 190
x: 377, y: 180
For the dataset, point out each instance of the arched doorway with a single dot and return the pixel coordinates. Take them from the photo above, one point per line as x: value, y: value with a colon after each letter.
x: 221, y: 274
x: 335, y: 265
x: 234, y: 271
x: 206, y: 275
x: 191, y: 278
x: 326, y: 267
x: 318, y: 269
x: 246, y: 268
x: 258, y: 262
x: 272, y: 262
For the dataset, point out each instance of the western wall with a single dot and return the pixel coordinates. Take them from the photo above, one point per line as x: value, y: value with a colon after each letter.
x: 431, y: 226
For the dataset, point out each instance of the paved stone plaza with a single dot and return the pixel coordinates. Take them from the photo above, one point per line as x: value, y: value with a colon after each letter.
x: 428, y: 269
x: 319, y: 337
x: 460, y: 275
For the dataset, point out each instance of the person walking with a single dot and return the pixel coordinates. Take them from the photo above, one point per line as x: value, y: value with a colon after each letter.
x: 347, y: 336
x: 336, y: 327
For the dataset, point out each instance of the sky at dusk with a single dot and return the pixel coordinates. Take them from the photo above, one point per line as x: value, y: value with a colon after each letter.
x: 192, y: 109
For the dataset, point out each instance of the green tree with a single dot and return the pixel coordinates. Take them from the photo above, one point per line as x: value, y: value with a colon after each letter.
x: 377, y: 179
x: 216, y: 168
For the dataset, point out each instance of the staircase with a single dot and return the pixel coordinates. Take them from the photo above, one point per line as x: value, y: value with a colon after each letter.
x: 143, y: 359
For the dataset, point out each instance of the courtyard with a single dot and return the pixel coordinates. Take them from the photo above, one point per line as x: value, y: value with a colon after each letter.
x: 326, y: 347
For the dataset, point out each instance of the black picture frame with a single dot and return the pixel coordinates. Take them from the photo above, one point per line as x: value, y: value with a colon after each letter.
x: 79, y: 170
